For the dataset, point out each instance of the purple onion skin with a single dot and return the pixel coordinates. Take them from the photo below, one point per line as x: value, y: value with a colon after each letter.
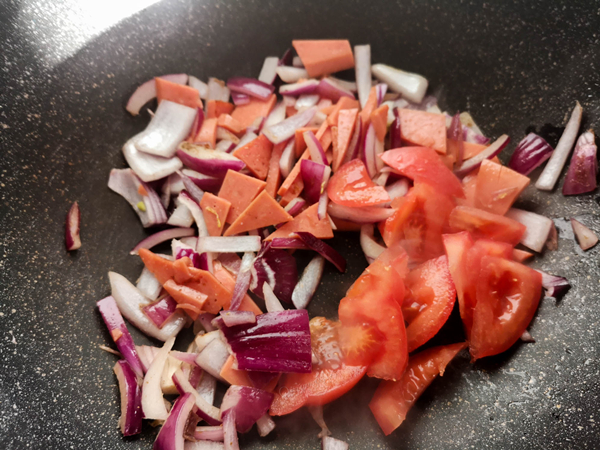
x: 212, y: 167
x: 312, y: 176
x: 170, y: 436
x: 581, y: 176
x: 283, y: 265
x: 249, y: 404
x: 131, y: 418
x: 325, y: 250
x: 530, y: 153
x: 160, y: 311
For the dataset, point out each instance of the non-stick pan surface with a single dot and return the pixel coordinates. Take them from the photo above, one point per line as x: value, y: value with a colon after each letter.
x: 516, y: 66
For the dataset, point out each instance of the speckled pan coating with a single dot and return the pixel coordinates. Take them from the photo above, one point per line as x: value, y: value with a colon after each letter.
x: 517, y: 67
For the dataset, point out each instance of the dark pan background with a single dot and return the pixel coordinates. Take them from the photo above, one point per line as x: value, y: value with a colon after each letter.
x: 516, y: 66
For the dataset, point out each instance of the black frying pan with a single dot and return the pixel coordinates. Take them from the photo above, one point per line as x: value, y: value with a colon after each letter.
x: 516, y: 66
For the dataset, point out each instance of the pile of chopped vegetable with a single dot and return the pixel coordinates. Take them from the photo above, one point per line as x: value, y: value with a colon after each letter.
x: 238, y: 186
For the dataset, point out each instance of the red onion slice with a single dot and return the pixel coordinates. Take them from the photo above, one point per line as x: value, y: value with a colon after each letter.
x: 194, y: 208
x: 160, y: 237
x: 586, y: 238
x: 369, y: 246
x: 131, y: 301
x: 206, y: 411
x: 181, y: 217
x: 246, y: 138
x: 213, y: 357
x: 291, y: 74
x: 72, y: 239
x: 308, y: 283
x: 380, y: 89
x: 362, y: 66
x: 472, y: 163
x: 148, y: 285
x: 294, y: 207
x: 555, y: 286
x: 265, y: 425
x: 209, y: 433
x: 240, y: 98
x: 251, y: 87
x: 271, y: 301
x: 329, y: 443
x: 370, y: 155
x: 551, y: 172
x: 367, y: 214
x: 537, y: 228
x: 306, y: 101
x: 226, y: 145
x: 230, y: 441
x: 295, y: 89
x: 120, y: 334
x: 153, y: 403
x: 207, y: 387
x: 130, y: 421
x: 411, y: 85
x: 330, y: 89
x: 249, y: 404
x: 161, y: 310
x: 147, y: 91
x: 217, y: 90
x: 355, y: 143
x: 149, y: 167
x: 313, y: 176
x: 317, y: 154
x: 210, y: 162
x: 395, y: 135
x: 233, y: 318
x: 200, y: 86
x: 455, y: 132
x: 171, y: 434
x: 347, y: 85
x: 277, y: 115
x: 581, y: 176
x: 284, y: 130
x: 287, y: 243
x: 242, y: 282
x: 530, y: 153
x: 324, y: 198
x: 268, y: 72
x: 398, y: 188
x: 325, y: 250
x: 288, y: 159
x: 230, y: 244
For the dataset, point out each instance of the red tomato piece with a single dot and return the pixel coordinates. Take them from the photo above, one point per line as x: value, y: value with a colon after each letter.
x: 360, y: 344
x: 430, y: 297
x: 423, y: 164
x: 498, y: 187
x: 375, y: 300
x: 352, y: 186
x: 393, y: 399
x: 508, y: 294
x: 418, y: 223
x: 457, y: 246
x: 484, y: 224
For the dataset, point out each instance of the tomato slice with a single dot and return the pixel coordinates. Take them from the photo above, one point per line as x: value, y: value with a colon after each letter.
x: 508, y: 294
x: 430, y: 297
x: 484, y: 224
x: 498, y: 187
x: 393, y: 399
x: 352, y: 186
x: 317, y: 388
x: 423, y: 164
x: 360, y: 344
x: 375, y: 300
x: 419, y: 222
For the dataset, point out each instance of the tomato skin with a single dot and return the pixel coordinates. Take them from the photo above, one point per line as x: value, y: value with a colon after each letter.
x: 423, y: 164
x: 352, y: 186
x: 418, y: 223
x: 483, y: 224
x: 508, y: 294
x: 393, y: 399
x: 317, y: 388
x: 430, y: 297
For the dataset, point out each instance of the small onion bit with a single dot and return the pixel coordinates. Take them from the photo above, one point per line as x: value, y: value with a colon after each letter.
x: 551, y: 172
x: 537, y: 228
x: 228, y: 244
x: 242, y: 282
x: 586, y: 238
x: 456, y: 132
x: 286, y: 129
x: 308, y: 283
x: 271, y: 301
x: 369, y: 246
x: 160, y: 237
x: 209, y: 433
x: 265, y: 425
x: 249, y: 404
x: 72, y: 239
x: 229, y: 431
x: 492, y: 150
x: 147, y: 91
x: 554, y: 286
x: 205, y: 410
x: 411, y: 85
x: 329, y: 443
x: 250, y: 86
x: 527, y: 337
x: 153, y: 403
x: 581, y: 176
x: 530, y: 153
x: 325, y: 250
x: 130, y: 421
x: 171, y: 434
x: 268, y: 73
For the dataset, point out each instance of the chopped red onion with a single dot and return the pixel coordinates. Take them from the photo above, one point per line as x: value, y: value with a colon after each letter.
x: 316, y: 411
x: 206, y: 411
x: 147, y: 91
x: 240, y: 99
x: 265, y: 425
x: 207, y: 161
x: 308, y: 283
x: 288, y: 242
x: 347, y: 85
x: 229, y: 244
x: 294, y: 207
x: 194, y: 208
x: 325, y: 250
x: 581, y: 176
x: 278, y: 269
x: 410, y: 85
x: 72, y: 239
x: 313, y: 176
x: 204, y: 445
x: 362, y: 65
x: 370, y: 156
x: 317, y: 154
x: 291, y: 74
x: 380, y: 89
x: 149, y: 167
x: 170, y: 436
x: 249, y: 404
x: 268, y: 73
x: 585, y: 237
x: 131, y: 301
x: 165, y: 192
x: 369, y: 246
x: 207, y: 387
x: 153, y: 403
x: 130, y: 421
x: 455, y: 132
x: 329, y: 443
x: 197, y: 125
x: 472, y: 163
x: 217, y: 90
x: 277, y: 115
x: 366, y: 214
x: 288, y: 101
x: 381, y: 180
x: 287, y: 58
x: 181, y: 217
x: 231, y: 262
x: 246, y: 138
x: 288, y: 159
x: 303, y: 87
x: 355, y: 143
x: 200, y: 86
x: 555, y: 164
x: 170, y: 125
x: 527, y: 337
x: 120, y: 334
x: 213, y: 357
x: 225, y: 134
x: 398, y: 188
x: 537, y: 228
x: 230, y: 438
x: 330, y: 89
x: 297, y: 62
x: 284, y: 130
x: 271, y: 301
x: 242, y: 282
x: 324, y: 198
x: 160, y: 237
x: 555, y: 286
x: 251, y: 87
x: 161, y: 310
x: 148, y: 285
x: 186, y: 357
x: 232, y: 318
x: 530, y: 153
x: 148, y: 207
x: 227, y: 146
x: 306, y: 101
x: 210, y: 433
x: 146, y: 354
x: 204, y: 320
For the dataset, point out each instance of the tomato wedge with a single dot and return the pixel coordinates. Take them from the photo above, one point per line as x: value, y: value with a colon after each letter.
x: 430, y: 297
x: 418, y: 223
x: 352, y: 186
x: 375, y: 300
x: 393, y: 399
x: 423, y: 164
x: 484, y: 224
x: 508, y: 294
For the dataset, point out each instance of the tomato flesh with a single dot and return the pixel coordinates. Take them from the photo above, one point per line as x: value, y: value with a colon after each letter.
x: 393, y: 399
x: 484, y: 224
x: 352, y: 186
